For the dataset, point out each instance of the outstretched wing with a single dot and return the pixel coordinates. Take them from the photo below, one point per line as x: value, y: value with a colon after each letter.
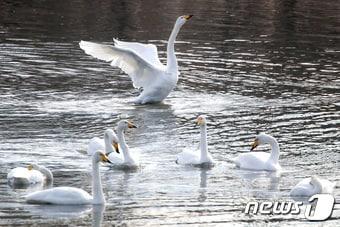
x: 147, y: 51
x: 141, y: 71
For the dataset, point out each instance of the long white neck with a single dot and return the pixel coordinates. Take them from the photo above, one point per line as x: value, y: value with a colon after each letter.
x: 47, y: 173
x: 123, y: 146
x: 97, y: 190
x: 108, y: 145
x: 204, y: 144
x: 172, y: 66
x: 275, y: 154
x: 317, y: 184
x: 97, y: 215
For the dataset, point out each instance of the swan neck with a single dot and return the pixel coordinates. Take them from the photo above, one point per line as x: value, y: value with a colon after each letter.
x: 97, y: 215
x: 108, y: 146
x: 48, y: 174
x: 317, y: 185
x: 172, y: 66
x: 97, y: 190
x: 275, y: 154
x: 204, y: 144
x: 123, y: 146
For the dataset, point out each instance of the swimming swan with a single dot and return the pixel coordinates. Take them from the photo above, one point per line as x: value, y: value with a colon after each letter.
x: 71, y: 195
x: 125, y: 158
x: 312, y: 185
x: 108, y: 144
x: 261, y: 160
x: 141, y: 63
x: 32, y: 174
x: 188, y: 157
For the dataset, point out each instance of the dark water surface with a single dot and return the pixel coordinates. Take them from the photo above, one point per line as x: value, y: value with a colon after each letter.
x: 250, y: 66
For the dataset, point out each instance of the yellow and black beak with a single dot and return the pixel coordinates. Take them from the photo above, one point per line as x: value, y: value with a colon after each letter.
x: 116, y: 147
x: 200, y: 121
x: 30, y: 167
x: 254, y: 144
x: 187, y: 17
x: 130, y: 125
x: 104, y: 158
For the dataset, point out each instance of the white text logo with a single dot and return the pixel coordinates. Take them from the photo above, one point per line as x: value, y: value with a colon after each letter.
x: 320, y: 207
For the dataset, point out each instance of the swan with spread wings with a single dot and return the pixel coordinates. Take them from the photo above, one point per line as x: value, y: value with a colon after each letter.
x: 141, y: 63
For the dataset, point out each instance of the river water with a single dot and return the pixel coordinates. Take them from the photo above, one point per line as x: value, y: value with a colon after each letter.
x: 249, y: 66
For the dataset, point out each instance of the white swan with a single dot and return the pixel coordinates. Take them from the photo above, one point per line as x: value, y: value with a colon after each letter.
x: 203, y: 157
x: 48, y: 176
x: 261, y: 160
x: 71, y: 195
x: 33, y: 174
x: 312, y: 185
x: 141, y: 63
x: 125, y: 158
x: 108, y: 144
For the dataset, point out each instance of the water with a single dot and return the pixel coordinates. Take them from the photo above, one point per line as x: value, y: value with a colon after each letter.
x: 250, y: 66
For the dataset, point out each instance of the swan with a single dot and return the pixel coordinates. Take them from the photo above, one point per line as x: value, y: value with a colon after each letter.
x: 71, y: 195
x: 141, y: 63
x: 312, y: 185
x: 48, y: 176
x: 124, y: 159
x: 203, y: 157
x: 32, y: 174
x: 108, y: 144
x: 261, y: 160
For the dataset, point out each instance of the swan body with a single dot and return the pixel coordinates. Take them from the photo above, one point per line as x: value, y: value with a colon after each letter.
x: 22, y: 176
x: 188, y: 157
x: 95, y: 144
x: 125, y: 158
x: 108, y: 144
x: 312, y: 185
x: 141, y: 63
x: 32, y: 174
x: 261, y: 160
x: 71, y: 195
x: 60, y: 195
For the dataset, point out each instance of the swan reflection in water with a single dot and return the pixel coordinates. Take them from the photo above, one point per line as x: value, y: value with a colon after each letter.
x: 203, y: 185
x: 67, y: 211
x: 58, y: 211
x: 260, y: 184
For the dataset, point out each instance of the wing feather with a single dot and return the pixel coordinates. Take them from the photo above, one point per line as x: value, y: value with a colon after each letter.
x: 147, y: 51
x: 141, y: 72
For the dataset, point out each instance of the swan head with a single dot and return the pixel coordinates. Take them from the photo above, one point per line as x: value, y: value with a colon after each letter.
x: 124, y: 124
x: 182, y: 19
x: 33, y: 166
x: 100, y: 157
x: 261, y: 138
x: 314, y: 180
x: 110, y: 135
x: 201, y: 120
